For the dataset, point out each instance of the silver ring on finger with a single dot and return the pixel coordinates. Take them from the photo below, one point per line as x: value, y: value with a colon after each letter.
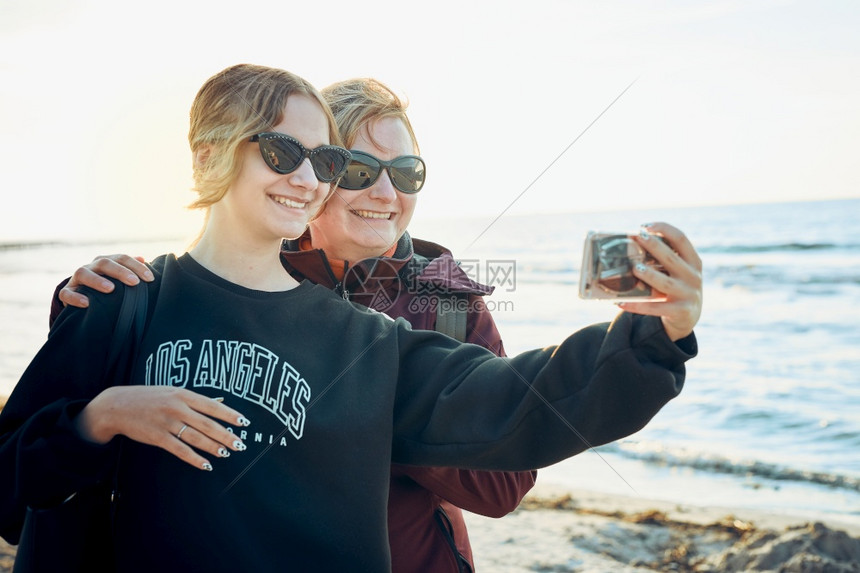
x: 182, y: 429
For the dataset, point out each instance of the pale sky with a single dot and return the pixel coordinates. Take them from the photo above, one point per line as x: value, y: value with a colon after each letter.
x: 732, y: 101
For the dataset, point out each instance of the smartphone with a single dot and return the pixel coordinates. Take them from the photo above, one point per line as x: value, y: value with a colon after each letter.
x: 607, y: 268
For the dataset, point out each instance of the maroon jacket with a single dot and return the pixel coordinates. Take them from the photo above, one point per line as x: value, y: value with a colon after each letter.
x: 426, y: 527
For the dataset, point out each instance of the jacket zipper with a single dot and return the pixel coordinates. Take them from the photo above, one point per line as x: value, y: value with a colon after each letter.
x: 338, y: 285
x: 341, y: 290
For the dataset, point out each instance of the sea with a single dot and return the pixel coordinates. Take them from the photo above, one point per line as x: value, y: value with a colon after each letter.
x: 769, y: 417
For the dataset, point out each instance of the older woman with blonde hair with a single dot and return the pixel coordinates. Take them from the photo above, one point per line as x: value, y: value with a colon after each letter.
x: 360, y: 247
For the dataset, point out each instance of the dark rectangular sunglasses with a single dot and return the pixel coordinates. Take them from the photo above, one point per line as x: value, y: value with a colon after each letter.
x: 283, y: 154
x: 406, y: 172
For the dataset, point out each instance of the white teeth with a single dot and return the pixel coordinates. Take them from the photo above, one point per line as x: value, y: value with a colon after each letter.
x: 372, y: 214
x: 289, y: 202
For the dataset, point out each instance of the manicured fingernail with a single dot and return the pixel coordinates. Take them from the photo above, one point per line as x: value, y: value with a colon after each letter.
x: 107, y: 284
x: 239, y: 446
x: 644, y: 234
x: 219, y: 399
x: 243, y: 421
x: 647, y: 225
x: 207, y: 466
x: 641, y: 267
x: 148, y: 275
x: 224, y: 452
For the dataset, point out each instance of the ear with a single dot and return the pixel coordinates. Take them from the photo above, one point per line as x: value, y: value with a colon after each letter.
x: 201, y: 155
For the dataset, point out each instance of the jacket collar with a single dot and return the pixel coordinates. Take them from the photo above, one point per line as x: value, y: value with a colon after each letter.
x: 413, y: 259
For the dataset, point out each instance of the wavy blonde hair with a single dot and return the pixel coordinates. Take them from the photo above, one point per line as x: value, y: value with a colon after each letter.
x: 231, y: 107
x: 360, y: 101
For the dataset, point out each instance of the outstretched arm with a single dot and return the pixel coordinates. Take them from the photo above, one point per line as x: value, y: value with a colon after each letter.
x: 600, y: 384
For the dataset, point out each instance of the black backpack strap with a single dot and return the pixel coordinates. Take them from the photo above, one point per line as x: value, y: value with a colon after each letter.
x: 132, y: 315
x: 127, y: 333
x: 451, y: 315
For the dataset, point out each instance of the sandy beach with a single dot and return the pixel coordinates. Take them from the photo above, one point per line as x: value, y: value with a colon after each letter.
x: 566, y: 531
x: 557, y: 530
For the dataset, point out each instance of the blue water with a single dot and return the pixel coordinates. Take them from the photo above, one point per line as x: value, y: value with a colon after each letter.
x: 770, y: 415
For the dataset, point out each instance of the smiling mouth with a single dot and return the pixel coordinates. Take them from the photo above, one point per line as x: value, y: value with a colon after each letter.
x: 288, y: 202
x: 371, y: 214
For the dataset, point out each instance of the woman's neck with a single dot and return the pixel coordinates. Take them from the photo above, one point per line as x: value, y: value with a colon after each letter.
x: 350, y: 252
x: 256, y: 267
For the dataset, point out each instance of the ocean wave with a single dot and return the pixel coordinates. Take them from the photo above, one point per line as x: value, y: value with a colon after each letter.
x: 25, y: 245
x: 77, y: 243
x: 760, y: 276
x: 744, y: 468
x: 777, y: 247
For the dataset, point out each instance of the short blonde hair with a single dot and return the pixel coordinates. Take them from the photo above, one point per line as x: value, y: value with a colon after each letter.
x: 361, y: 101
x: 231, y: 107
